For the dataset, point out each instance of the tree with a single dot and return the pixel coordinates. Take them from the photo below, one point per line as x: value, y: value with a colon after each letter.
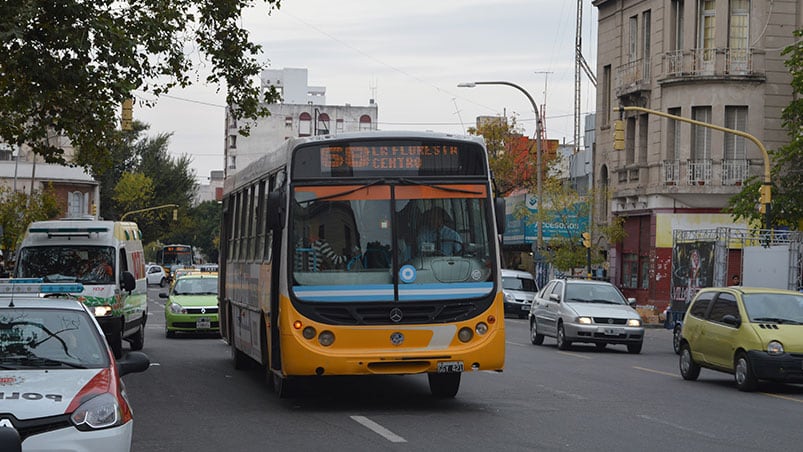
x: 501, y: 142
x: 18, y: 210
x: 134, y: 191
x: 786, y: 162
x: 68, y: 65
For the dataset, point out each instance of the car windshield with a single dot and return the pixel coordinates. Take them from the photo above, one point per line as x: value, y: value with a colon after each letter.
x: 594, y: 293
x: 774, y: 307
x: 51, y: 339
x: 514, y: 283
x: 84, y: 264
x: 196, y: 286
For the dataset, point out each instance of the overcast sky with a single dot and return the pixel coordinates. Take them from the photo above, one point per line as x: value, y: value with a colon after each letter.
x: 409, y: 56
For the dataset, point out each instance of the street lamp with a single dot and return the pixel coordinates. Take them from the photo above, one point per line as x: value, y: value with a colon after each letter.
x: 538, y: 147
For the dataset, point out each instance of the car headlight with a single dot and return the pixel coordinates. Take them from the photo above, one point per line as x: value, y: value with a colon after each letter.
x: 774, y: 348
x: 98, y: 412
x: 176, y: 308
x: 510, y: 298
x: 584, y: 320
x: 633, y: 322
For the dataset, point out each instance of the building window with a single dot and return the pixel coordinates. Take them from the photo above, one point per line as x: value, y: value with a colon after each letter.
x: 738, y: 36
x: 606, y: 95
x: 323, y: 125
x: 677, y: 24
x: 701, y: 136
x: 288, y: 121
x: 304, y: 124
x: 630, y: 141
x: 365, y: 122
x: 75, y: 203
x: 339, y: 125
x: 707, y: 45
x: 673, y: 135
x: 632, y: 49
x: 630, y: 268
x: 645, y: 48
x: 232, y: 141
x: 643, y: 135
x: 736, y: 119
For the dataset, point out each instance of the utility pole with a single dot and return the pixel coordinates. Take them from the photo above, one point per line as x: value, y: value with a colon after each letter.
x: 543, y: 106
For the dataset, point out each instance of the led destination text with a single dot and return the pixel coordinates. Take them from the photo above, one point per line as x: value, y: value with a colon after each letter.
x: 381, y: 157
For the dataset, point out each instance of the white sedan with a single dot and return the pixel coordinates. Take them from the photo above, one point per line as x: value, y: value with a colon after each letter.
x: 61, y: 385
x: 155, y: 274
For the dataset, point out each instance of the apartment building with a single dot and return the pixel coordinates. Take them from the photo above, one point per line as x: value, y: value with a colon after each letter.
x: 302, y: 112
x: 715, y: 61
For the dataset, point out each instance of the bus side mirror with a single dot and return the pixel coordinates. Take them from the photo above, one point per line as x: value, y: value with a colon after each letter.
x: 129, y: 283
x: 499, y: 212
x: 276, y: 210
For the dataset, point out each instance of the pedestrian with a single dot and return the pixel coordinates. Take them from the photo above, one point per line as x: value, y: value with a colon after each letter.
x: 736, y: 280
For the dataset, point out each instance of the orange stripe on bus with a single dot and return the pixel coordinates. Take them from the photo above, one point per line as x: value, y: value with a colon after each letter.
x: 425, y: 192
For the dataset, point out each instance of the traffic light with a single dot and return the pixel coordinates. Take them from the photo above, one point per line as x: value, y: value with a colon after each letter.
x: 618, y: 135
x: 127, y: 116
x: 765, y: 194
x: 175, y: 214
x: 587, y: 239
x: 94, y: 209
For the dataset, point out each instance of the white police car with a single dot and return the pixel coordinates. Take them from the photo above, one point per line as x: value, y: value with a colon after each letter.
x: 60, y: 386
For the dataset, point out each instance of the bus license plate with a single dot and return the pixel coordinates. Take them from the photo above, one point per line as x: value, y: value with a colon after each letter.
x: 448, y: 367
x: 203, y: 324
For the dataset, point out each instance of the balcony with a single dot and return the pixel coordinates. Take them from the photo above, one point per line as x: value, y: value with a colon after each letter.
x: 632, y: 77
x: 701, y: 172
x: 717, y: 63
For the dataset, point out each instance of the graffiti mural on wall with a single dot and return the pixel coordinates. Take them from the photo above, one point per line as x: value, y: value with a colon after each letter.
x: 692, y: 269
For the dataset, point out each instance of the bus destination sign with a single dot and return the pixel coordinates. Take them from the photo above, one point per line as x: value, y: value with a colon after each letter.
x: 382, y: 157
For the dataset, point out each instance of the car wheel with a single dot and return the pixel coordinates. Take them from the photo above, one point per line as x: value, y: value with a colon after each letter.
x: 689, y: 370
x: 535, y: 338
x: 563, y: 344
x: 162, y: 282
x: 444, y: 386
x: 743, y: 373
x: 676, y: 339
x: 634, y: 349
x: 137, y: 341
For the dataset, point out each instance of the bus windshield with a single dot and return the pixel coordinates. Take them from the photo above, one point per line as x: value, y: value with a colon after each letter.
x: 391, y: 242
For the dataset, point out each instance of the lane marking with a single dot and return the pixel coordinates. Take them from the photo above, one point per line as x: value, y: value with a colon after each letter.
x: 668, y: 374
x: 574, y: 355
x: 376, y: 428
x: 778, y: 396
x: 516, y: 343
x: 678, y: 426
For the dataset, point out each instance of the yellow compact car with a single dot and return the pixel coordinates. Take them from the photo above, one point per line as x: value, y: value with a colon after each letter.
x: 753, y: 333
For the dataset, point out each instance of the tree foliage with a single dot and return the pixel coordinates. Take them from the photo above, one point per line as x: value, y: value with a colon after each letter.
x: 18, y: 210
x: 66, y: 66
x: 786, y: 162
x: 500, y: 140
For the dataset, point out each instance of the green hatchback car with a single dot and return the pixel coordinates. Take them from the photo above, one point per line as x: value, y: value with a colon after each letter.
x: 192, y: 305
x: 753, y: 333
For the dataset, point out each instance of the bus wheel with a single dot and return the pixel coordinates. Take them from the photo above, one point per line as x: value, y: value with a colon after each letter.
x: 241, y: 360
x: 444, y: 385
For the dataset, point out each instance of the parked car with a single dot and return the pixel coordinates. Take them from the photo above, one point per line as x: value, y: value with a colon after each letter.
x: 155, y: 274
x: 753, y: 333
x: 62, y: 385
x: 579, y: 310
x: 519, y: 288
x: 192, y: 304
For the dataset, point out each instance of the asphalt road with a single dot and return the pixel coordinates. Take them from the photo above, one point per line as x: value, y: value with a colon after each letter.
x: 192, y: 399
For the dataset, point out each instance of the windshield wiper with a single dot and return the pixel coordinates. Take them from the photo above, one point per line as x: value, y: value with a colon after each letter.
x: 777, y: 320
x: 41, y: 361
x: 439, y: 187
x: 343, y: 193
x: 599, y: 300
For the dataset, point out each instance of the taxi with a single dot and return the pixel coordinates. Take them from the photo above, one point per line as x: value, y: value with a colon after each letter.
x: 753, y: 333
x: 191, y: 304
x: 60, y: 384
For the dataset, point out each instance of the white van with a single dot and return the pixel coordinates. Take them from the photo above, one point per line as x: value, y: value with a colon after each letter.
x: 106, y: 257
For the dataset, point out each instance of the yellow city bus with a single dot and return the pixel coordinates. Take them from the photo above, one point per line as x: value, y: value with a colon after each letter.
x: 325, y: 269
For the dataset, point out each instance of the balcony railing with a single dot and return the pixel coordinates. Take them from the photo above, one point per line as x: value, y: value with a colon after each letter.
x: 735, y: 172
x: 708, y: 62
x: 699, y: 171
x: 671, y: 172
x: 633, y: 75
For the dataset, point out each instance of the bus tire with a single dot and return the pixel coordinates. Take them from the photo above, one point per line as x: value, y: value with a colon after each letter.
x: 241, y: 360
x: 444, y: 386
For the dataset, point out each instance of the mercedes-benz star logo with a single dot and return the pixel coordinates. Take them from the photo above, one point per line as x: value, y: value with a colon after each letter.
x: 396, y: 315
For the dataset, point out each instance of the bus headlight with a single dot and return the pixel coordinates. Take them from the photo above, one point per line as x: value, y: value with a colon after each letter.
x: 326, y: 338
x: 308, y: 332
x: 465, y: 334
x: 102, y: 311
x: 481, y: 328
